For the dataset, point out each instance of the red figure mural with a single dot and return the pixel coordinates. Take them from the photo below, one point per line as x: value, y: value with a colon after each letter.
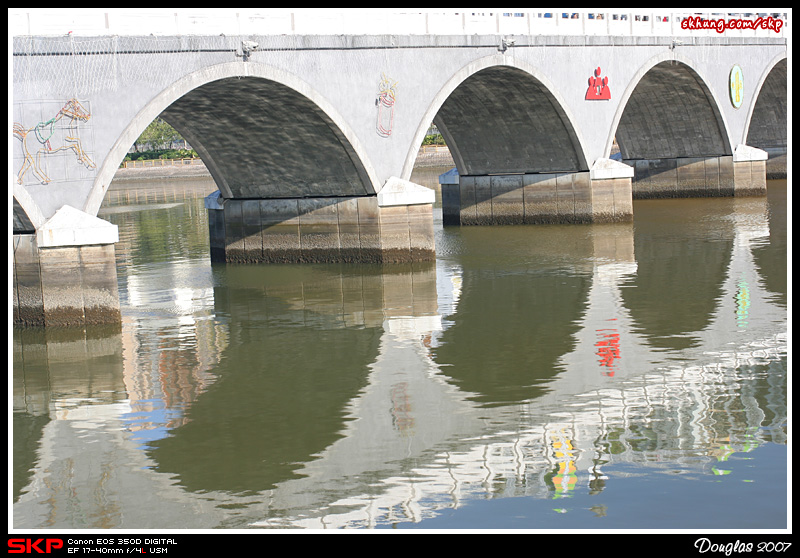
x: 598, y: 88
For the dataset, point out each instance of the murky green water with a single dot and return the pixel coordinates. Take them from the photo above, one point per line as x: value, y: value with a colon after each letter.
x: 553, y: 377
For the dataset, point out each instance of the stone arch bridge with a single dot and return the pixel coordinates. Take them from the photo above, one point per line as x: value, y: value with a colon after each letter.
x: 311, y: 137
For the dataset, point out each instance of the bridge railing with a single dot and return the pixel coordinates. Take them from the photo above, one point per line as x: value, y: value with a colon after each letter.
x: 152, y: 163
x: 379, y: 22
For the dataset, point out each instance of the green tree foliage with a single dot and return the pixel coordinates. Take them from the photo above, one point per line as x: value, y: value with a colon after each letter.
x: 158, y: 135
x: 433, y: 139
x: 156, y: 142
x: 157, y: 139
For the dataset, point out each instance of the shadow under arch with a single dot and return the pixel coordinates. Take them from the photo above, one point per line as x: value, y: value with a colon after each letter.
x: 487, y: 106
x: 767, y: 126
x: 243, y: 118
x: 651, y: 119
x: 25, y: 212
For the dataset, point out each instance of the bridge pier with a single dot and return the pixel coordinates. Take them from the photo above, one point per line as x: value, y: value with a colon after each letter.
x: 776, y: 163
x: 602, y: 195
x: 741, y: 174
x: 65, y: 273
x: 394, y: 226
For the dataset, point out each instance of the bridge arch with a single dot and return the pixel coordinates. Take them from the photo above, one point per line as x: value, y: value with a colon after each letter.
x: 318, y: 152
x: 485, y: 107
x: 26, y: 214
x: 667, y: 112
x: 766, y: 126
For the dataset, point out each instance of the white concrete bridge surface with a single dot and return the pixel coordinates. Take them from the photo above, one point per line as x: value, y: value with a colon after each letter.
x: 310, y: 123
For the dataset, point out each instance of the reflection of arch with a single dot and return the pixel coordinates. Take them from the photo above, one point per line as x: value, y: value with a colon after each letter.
x: 294, y: 400
x: 504, y: 85
x: 653, y: 107
x: 674, y: 297
x: 208, y: 108
x: 471, y: 352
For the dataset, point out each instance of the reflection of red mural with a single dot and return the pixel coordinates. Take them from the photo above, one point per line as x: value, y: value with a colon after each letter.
x: 401, y: 407
x: 598, y: 88
x: 608, y: 349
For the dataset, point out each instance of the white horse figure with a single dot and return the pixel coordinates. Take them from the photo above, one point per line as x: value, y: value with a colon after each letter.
x: 43, y: 132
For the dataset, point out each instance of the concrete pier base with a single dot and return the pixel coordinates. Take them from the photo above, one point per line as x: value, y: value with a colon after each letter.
x: 776, y: 163
x: 741, y: 174
x: 65, y: 274
x: 602, y: 195
x: 394, y: 226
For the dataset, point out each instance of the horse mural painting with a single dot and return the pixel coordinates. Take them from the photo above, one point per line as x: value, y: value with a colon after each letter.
x: 69, y: 116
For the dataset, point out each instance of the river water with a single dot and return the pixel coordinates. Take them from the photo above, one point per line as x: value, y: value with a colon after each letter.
x: 602, y: 377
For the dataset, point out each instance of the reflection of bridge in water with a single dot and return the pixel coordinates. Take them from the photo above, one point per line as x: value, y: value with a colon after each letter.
x: 426, y: 442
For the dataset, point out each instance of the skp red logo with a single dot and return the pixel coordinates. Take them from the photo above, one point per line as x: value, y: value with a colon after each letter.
x: 31, y: 546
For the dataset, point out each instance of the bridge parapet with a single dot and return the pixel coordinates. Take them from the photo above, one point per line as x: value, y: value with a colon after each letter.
x: 399, y: 22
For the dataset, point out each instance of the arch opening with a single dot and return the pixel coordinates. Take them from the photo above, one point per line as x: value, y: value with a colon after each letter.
x: 261, y: 139
x: 502, y: 120
x: 20, y: 220
x: 295, y: 185
x: 671, y: 114
x: 768, y: 128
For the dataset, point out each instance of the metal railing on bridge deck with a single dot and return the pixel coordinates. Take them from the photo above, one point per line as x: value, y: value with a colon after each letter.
x: 167, y: 22
x: 428, y: 155
x: 151, y: 163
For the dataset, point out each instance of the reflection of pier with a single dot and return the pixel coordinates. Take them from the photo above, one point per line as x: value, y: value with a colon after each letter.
x: 412, y: 439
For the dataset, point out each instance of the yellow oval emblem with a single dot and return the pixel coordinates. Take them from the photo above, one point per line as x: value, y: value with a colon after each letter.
x: 736, y: 85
